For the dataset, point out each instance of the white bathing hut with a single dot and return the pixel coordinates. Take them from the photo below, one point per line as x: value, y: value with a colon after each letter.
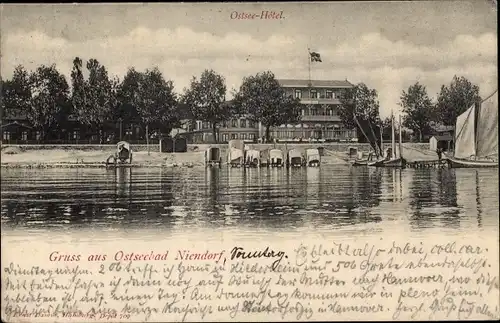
x: 313, y: 157
x: 235, y: 154
x: 213, y: 157
x: 276, y: 158
x: 295, y: 158
x: 252, y: 158
x: 264, y: 158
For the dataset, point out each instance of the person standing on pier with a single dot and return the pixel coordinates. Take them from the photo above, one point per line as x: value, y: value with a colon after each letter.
x: 439, y: 152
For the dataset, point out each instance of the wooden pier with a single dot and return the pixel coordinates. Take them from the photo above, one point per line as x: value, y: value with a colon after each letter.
x: 443, y: 163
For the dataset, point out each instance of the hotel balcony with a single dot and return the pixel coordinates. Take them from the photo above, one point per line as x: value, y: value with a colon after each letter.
x: 327, y: 118
x: 332, y: 101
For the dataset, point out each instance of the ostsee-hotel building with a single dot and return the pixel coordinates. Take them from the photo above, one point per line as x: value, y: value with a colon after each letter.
x: 320, y: 101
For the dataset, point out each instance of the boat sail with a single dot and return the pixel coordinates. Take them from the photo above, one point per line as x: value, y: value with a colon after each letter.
x: 476, y: 136
x: 373, y: 157
x: 395, y: 159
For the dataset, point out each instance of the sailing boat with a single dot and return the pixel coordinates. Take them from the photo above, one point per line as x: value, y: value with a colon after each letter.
x: 373, y: 157
x: 476, y: 136
x: 392, y: 160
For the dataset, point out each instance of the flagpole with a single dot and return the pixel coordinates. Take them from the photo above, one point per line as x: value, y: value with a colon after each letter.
x: 309, y: 61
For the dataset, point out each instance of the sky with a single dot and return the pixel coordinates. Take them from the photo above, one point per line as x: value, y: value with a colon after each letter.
x: 386, y: 45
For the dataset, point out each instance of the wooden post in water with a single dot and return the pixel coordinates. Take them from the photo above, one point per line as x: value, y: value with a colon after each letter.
x: 393, y: 139
x: 147, y: 137
x: 381, y: 129
x: 400, y: 138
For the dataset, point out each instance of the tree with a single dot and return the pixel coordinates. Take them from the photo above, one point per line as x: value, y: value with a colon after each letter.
x: 156, y: 102
x: 128, y: 93
x: 16, y: 93
x: 78, y: 85
x: 263, y: 100
x: 359, y: 109
x: 50, y: 93
x: 206, y: 99
x: 454, y: 99
x: 386, y: 125
x: 418, y: 108
x: 95, y: 99
x: 184, y: 113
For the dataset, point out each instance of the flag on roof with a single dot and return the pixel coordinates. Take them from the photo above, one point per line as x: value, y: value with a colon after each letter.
x: 315, y: 57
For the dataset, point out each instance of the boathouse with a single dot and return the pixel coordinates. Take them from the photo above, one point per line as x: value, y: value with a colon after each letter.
x: 445, y: 142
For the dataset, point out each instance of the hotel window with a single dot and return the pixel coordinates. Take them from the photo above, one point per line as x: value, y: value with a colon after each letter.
x: 234, y: 136
x: 204, y: 125
x: 329, y: 112
x: 314, y: 94
x: 298, y: 94
x: 243, y: 136
x: 314, y: 111
x: 329, y: 94
x: 6, y: 135
x: 243, y: 123
x: 251, y: 124
x: 234, y: 123
x: 225, y: 137
x: 224, y: 124
x: 24, y: 135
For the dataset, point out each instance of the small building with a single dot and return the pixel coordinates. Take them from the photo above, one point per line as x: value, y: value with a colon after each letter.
x: 439, y: 130
x: 16, y: 132
x: 445, y: 142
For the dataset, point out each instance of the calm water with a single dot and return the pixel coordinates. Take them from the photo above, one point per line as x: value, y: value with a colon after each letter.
x: 236, y: 200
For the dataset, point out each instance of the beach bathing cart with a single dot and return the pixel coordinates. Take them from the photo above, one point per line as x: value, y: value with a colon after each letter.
x: 352, y: 153
x: 295, y: 158
x: 276, y: 158
x: 235, y: 153
x: 313, y: 157
x: 122, y: 155
x: 252, y: 158
x: 264, y: 158
x: 235, y: 157
x: 213, y: 157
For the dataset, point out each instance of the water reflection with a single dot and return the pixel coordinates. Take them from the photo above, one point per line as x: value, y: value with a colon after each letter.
x: 324, y: 198
x: 123, y: 180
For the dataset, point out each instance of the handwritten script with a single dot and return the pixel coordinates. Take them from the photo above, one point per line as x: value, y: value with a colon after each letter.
x: 334, y: 280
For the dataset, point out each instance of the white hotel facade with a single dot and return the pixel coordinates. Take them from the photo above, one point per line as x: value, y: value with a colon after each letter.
x: 320, y: 101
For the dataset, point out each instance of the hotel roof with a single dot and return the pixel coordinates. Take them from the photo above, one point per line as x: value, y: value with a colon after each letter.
x: 315, y: 83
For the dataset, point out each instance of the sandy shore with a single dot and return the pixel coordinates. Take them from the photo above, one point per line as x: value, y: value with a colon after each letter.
x: 15, y: 157
x: 78, y: 158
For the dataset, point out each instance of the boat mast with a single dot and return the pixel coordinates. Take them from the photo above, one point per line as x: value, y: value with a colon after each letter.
x: 364, y: 133
x: 400, y: 139
x: 393, y: 139
x: 477, y: 106
x: 381, y: 128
